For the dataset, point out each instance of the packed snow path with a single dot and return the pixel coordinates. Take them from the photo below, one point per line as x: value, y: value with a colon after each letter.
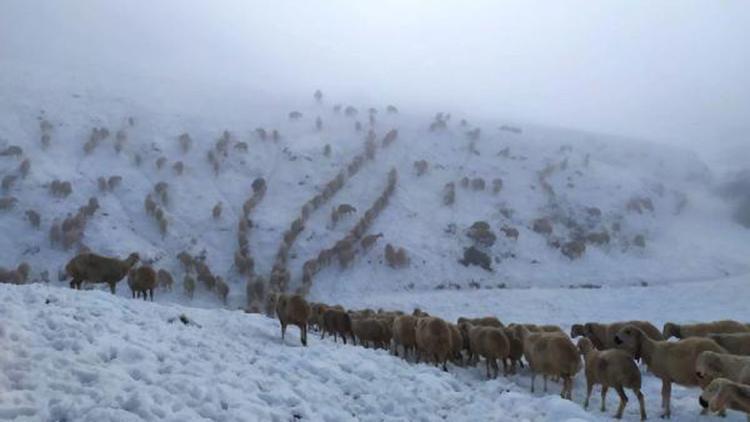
x: 90, y: 356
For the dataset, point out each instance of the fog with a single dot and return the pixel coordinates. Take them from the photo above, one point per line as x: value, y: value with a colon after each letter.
x: 671, y: 71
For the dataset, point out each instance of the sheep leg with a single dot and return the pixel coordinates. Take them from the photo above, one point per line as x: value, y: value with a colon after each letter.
x: 641, y: 403
x: 533, y: 378
x: 544, y: 377
x: 603, y: 407
x: 283, y: 331
x: 623, y: 401
x: 589, y: 389
x: 496, y: 368
x: 112, y: 287
x: 666, y: 394
x: 505, y: 367
x: 304, y: 335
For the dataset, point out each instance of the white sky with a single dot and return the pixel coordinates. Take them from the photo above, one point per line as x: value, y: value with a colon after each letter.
x: 674, y: 71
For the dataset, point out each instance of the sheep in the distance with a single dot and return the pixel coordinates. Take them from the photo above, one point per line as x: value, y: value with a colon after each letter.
x: 165, y: 279
x: 188, y: 283
x: 611, y: 368
x: 34, y: 218
x: 216, y: 212
x: 92, y: 268
x: 142, y: 281
x: 18, y: 276
x: 293, y: 310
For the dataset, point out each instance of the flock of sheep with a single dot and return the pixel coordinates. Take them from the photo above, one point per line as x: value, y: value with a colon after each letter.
x: 714, y: 356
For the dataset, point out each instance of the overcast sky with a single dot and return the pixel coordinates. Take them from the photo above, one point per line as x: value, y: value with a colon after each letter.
x: 676, y: 71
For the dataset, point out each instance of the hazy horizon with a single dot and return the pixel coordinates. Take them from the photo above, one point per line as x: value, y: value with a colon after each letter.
x: 670, y: 71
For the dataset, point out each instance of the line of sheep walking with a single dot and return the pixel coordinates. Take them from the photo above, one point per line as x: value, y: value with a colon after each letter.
x: 610, y: 352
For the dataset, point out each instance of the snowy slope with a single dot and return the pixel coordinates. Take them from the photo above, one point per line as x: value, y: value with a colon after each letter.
x: 92, y: 356
x: 688, y: 236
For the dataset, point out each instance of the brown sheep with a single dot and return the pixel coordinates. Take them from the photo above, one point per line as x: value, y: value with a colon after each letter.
x: 294, y: 310
x: 734, y: 343
x: 34, y: 218
x: 611, y: 368
x: 142, y: 281
x: 404, y: 334
x: 370, y: 330
x: 433, y: 337
x: 490, y: 343
x: 165, y: 280
x: 672, y: 362
x: 8, y: 181
x: 724, y: 394
x: 603, y: 335
x: 113, y: 182
x: 94, y: 268
x: 488, y: 321
x: 18, y: 276
x: 369, y: 241
x: 703, y: 329
x: 222, y: 290
x: 421, y: 167
x: 186, y: 260
x: 515, y: 354
x: 711, y: 365
x: 7, y: 202
x: 338, y: 323
x: 552, y: 354
x: 457, y: 344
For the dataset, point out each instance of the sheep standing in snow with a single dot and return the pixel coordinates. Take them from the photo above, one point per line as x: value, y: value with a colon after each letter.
x: 551, y: 354
x: 165, y: 279
x: 142, y: 281
x: 18, y: 276
x: 611, y: 368
x: 433, y: 337
x: 94, y: 268
x: 294, y: 310
x: 672, y: 362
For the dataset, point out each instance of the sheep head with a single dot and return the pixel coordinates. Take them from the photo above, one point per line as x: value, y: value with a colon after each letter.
x: 132, y: 259
x: 717, y: 395
x: 671, y: 329
x: 577, y: 330
x: 630, y: 338
x: 708, y: 367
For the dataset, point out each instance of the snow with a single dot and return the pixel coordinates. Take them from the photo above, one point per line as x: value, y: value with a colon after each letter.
x: 93, y: 356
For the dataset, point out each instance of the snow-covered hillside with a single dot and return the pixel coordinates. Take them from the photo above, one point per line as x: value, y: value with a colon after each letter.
x: 645, y: 212
x: 92, y: 356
